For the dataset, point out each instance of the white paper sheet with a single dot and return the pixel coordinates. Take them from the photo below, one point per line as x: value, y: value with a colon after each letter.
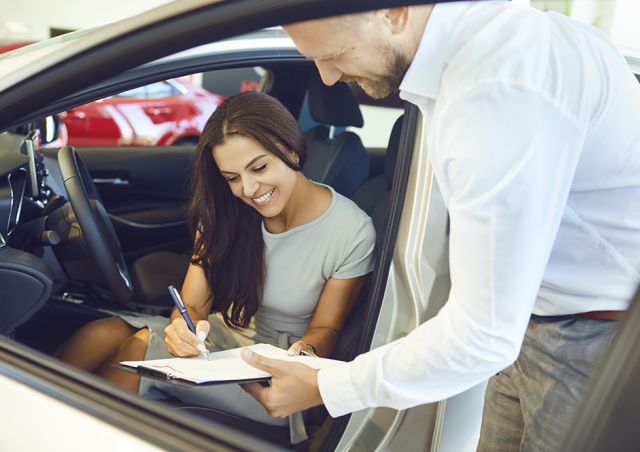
x: 226, y: 365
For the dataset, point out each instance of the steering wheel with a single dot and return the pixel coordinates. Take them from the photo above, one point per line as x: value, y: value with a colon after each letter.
x: 94, y: 223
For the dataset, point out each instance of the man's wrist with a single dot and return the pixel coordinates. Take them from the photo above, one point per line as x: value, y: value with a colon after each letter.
x: 337, y: 390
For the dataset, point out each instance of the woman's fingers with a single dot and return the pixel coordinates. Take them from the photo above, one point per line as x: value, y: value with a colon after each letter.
x: 296, y: 348
x: 181, y: 342
x: 202, y: 330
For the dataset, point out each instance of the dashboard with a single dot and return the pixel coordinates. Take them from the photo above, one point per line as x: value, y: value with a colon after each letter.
x: 13, y: 183
x: 32, y: 148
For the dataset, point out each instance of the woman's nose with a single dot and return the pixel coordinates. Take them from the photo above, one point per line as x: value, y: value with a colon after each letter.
x: 250, y: 186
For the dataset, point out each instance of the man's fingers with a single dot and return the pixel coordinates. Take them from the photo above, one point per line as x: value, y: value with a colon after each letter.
x: 256, y: 390
x: 293, y: 387
x: 260, y: 362
x: 261, y: 394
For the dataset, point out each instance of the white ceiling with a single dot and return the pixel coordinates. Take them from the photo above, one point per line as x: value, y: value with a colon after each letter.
x: 37, y: 16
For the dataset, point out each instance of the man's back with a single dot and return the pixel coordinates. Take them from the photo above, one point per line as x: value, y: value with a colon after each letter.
x: 539, y: 113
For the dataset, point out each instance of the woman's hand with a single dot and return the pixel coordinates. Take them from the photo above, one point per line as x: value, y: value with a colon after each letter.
x: 181, y: 342
x: 300, y: 346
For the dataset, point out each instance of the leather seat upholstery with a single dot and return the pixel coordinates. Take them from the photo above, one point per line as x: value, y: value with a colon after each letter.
x: 153, y: 273
x: 373, y: 195
x: 341, y: 161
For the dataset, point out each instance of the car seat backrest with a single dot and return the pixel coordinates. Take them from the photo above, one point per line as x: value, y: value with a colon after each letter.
x: 11, y: 142
x: 373, y: 196
x: 342, y: 161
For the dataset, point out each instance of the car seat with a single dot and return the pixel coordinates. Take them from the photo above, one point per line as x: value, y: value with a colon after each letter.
x: 373, y: 198
x: 341, y: 161
x: 373, y: 195
x: 152, y: 274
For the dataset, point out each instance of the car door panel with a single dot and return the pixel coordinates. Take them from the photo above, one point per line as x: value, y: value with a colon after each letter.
x: 144, y: 190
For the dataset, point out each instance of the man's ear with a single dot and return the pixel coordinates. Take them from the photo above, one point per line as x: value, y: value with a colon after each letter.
x: 397, y: 18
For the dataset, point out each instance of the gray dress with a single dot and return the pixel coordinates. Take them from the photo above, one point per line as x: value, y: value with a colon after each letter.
x: 339, y: 244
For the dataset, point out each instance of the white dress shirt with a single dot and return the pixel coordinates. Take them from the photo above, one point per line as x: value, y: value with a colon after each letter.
x: 533, y: 131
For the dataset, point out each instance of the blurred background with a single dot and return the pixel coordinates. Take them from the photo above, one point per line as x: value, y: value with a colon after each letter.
x: 29, y: 21
x: 34, y: 20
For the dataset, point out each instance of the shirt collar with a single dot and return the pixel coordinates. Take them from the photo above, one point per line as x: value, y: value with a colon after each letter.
x: 424, y: 73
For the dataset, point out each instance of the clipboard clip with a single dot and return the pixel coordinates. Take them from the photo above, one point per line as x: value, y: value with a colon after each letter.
x: 158, y: 371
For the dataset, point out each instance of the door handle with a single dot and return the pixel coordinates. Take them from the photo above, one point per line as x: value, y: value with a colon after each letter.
x: 74, y: 114
x: 157, y: 111
x: 111, y: 181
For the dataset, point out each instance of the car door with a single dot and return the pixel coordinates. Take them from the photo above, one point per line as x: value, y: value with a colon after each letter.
x: 131, y: 145
x: 144, y: 190
x: 138, y: 146
x: 397, y: 301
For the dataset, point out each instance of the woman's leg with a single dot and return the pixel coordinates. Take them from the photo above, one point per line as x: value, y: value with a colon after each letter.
x: 133, y: 349
x: 93, y: 344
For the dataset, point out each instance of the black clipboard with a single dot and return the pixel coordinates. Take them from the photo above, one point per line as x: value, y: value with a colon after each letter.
x: 167, y: 377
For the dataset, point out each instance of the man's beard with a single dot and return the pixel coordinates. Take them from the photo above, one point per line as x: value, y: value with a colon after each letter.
x: 395, y: 65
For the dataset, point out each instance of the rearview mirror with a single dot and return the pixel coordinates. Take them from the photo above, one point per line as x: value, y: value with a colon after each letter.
x: 50, y: 128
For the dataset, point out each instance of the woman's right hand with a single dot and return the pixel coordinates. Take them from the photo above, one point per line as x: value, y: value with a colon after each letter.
x: 181, y: 342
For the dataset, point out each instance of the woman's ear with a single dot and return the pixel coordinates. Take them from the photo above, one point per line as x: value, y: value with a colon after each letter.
x: 293, y: 158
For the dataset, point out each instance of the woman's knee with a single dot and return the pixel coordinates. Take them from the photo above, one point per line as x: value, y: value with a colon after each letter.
x: 135, y: 347
x: 107, y: 331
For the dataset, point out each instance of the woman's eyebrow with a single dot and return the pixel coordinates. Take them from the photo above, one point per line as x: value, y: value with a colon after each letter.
x: 248, y: 164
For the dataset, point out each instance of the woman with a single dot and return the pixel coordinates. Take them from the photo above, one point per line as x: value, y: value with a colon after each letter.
x: 278, y: 259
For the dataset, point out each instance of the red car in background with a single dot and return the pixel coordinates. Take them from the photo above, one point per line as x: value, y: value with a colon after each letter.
x: 171, y: 112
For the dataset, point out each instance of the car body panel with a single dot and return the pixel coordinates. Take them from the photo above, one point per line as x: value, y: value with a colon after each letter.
x: 19, y: 425
x: 159, y: 114
x: 116, y: 412
x: 144, y: 190
x: 416, y: 284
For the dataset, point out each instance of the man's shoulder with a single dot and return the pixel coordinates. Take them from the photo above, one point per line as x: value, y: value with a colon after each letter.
x: 497, y: 43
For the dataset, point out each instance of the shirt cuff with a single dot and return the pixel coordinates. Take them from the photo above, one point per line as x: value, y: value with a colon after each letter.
x: 337, y: 390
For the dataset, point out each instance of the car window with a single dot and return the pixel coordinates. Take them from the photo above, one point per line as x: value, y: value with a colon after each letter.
x: 379, y: 116
x: 153, y: 91
x: 378, y: 122
x: 165, y: 113
x: 144, y: 195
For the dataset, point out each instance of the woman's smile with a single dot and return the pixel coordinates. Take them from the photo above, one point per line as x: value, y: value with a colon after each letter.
x: 264, y: 199
x: 255, y: 176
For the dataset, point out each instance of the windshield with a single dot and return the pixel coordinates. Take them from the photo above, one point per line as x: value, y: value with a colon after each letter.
x: 14, y: 63
x: 48, y: 46
x: 22, y: 63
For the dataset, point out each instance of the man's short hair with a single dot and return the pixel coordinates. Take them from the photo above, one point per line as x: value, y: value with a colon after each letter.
x: 356, y: 23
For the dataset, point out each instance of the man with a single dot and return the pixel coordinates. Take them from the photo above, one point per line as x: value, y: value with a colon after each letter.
x: 532, y: 133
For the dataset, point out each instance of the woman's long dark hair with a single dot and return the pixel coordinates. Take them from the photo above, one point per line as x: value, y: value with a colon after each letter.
x: 228, y: 237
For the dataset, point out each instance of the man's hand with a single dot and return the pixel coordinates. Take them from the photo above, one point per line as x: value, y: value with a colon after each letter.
x: 294, y: 386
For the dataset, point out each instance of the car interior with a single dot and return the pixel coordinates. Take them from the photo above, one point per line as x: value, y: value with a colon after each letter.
x: 60, y: 209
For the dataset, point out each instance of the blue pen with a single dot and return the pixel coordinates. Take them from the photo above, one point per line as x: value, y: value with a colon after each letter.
x: 185, y: 315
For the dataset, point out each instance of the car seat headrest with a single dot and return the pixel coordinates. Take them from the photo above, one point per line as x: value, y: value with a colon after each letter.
x: 333, y: 105
x: 392, y: 151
